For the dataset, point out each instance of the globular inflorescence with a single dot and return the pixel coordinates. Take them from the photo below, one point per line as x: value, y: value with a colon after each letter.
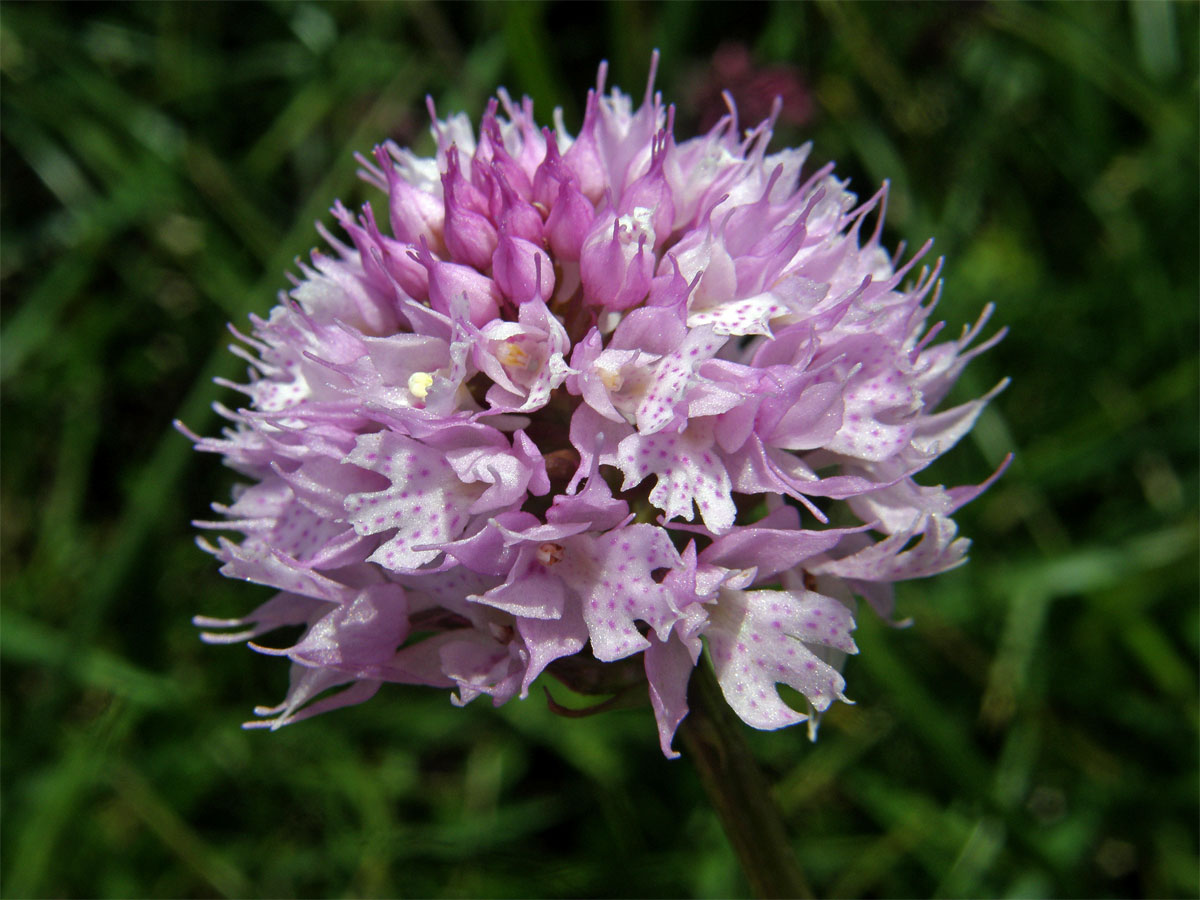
x: 591, y: 397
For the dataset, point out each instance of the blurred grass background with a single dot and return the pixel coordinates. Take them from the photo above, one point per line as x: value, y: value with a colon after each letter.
x: 1034, y: 735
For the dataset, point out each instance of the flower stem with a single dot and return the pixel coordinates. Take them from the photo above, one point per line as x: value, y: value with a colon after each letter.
x: 713, y: 741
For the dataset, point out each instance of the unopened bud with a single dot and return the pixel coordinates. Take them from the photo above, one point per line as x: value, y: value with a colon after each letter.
x: 522, y: 269
x: 616, y: 264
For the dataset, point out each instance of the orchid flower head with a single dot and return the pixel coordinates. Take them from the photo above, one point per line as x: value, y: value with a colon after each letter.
x: 591, y: 397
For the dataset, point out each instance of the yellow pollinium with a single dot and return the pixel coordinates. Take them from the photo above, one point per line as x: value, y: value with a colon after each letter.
x: 419, y: 384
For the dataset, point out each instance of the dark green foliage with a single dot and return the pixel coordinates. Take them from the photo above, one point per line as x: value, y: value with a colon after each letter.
x: 1035, y: 733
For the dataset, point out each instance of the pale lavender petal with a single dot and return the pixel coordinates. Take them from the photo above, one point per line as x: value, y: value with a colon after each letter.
x: 365, y: 632
x: 282, y: 609
x: 759, y: 639
x: 688, y: 472
x: 613, y: 576
x: 936, y: 551
x: 669, y: 666
x: 426, y: 503
x: 551, y: 639
x: 306, y: 685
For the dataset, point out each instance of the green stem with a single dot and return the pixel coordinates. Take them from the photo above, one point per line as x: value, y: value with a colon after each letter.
x: 713, y: 741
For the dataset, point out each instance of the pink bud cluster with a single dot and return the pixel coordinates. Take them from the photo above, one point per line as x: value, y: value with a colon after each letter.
x: 592, y: 396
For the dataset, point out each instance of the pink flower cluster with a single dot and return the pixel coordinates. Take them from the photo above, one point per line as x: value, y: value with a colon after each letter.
x: 591, y: 395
